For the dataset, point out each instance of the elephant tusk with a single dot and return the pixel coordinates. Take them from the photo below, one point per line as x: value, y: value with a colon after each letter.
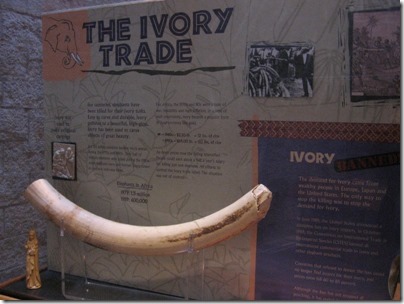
x: 76, y: 58
x: 149, y: 240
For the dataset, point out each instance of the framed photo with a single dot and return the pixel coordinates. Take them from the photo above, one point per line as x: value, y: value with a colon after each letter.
x: 64, y: 161
x: 279, y: 70
x: 375, y: 50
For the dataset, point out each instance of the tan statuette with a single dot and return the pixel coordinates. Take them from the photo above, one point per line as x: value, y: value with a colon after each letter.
x: 150, y: 240
x: 32, y: 278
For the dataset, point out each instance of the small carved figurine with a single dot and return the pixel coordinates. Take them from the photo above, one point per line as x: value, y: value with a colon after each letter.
x: 33, y: 280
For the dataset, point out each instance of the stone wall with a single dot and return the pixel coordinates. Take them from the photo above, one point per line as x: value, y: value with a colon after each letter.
x: 21, y: 125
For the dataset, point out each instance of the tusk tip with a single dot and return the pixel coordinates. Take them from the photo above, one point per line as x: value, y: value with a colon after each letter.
x: 263, y: 197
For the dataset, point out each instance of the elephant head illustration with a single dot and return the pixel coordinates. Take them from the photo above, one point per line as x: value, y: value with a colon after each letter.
x: 62, y: 38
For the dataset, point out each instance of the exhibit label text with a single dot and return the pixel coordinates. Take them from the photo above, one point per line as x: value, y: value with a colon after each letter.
x: 116, y: 32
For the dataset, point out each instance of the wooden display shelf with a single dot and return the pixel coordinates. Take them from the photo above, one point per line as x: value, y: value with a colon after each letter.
x: 15, y: 289
x: 50, y: 290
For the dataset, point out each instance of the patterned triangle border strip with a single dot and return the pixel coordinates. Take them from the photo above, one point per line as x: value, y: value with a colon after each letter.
x: 361, y: 132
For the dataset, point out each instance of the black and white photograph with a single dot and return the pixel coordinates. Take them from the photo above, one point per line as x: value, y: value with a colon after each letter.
x: 375, y: 55
x: 280, y: 70
x: 64, y: 161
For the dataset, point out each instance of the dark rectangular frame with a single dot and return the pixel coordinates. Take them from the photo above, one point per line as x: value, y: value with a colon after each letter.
x: 378, y: 72
x: 73, y: 176
x: 283, y: 67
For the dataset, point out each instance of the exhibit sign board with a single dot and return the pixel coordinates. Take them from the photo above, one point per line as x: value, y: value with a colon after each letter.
x: 341, y: 206
x: 162, y: 112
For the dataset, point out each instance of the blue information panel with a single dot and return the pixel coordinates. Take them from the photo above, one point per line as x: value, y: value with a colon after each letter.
x: 333, y: 229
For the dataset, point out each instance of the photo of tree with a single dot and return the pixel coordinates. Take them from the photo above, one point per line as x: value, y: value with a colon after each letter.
x: 375, y: 55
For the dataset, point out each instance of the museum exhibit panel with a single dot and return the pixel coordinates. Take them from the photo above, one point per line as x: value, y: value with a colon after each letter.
x: 223, y: 150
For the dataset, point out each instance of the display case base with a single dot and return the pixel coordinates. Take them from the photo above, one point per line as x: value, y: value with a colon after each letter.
x: 51, y: 290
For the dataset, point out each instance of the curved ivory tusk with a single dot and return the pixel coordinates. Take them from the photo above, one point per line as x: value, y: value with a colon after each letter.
x: 149, y: 240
